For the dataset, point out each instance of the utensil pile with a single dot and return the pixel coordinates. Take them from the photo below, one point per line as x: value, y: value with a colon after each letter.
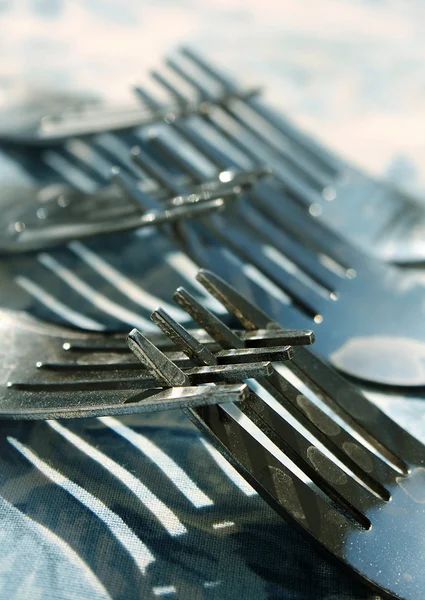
x: 286, y: 229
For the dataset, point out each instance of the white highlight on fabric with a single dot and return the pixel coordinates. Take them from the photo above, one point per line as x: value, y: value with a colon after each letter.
x: 56, y: 306
x: 175, y: 474
x: 160, y: 510
x: 124, y: 284
x: 211, y: 584
x: 140, y: 553
x: 223, y: 524
x: 92, y: 295
x: 164, y: 590
x: 36, y: 563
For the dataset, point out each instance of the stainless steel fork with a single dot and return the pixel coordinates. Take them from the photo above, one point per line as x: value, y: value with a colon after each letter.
x: 50, y: 130
x: 323, y: 457
x: 50, y: 372
x: 27, y: 225
x: 370, y: 313
x: 373, y: 215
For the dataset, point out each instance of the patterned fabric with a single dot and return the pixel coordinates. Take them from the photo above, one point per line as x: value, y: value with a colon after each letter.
x: 113, y: 508
x: 143, y: 507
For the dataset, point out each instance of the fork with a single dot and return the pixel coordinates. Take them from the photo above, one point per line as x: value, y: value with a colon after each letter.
x: 322, y: 455
x: 26, y: 226
x: 369, y: 313
x: 308, y: 283
x: 51, y: 130
x: 43, y: 374
x: 376, y: 217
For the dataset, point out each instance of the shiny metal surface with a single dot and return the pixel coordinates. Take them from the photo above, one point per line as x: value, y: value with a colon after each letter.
x: 66, y: 216
x: 38, y: 389
x: 51, y: 372
x: 374, y: 216
x: 343, y: 472
x: 369, y: 314
x: 37, y: 130
x: 323, y: 282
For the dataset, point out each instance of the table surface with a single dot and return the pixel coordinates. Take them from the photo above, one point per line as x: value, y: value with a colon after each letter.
x: 142, y: 507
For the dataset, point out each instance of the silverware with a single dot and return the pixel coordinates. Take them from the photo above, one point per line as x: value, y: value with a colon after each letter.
x: 42, y: 374
x: 369, y: 313
x: 375, y: 216
x: 29, y: 226
x: 323, y: 456
x: 50, y: 130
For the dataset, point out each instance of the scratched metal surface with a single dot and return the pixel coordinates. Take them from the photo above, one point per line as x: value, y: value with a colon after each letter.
x: 75, y: 496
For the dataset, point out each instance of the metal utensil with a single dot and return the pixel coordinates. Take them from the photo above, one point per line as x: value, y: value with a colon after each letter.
x: 50, y: 130
x: 324, y: 457
x: 29, y: 226
x: 42, y: 378
x: 51, y: 372
x: 373, y: 215
x: 369, y: 313
x: 312, y: 277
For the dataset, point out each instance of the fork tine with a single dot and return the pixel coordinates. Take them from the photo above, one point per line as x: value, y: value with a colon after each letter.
x: 252, y: 339
x: 218, y: 158
x: 182, y: 338
x: 340, y: 443
x: 57, y: 380
x: 353, y: 408
x: 171, y: 89
x: 167, y: 149
x: 140, y: 199
x: 212, y: 324
x: 159, y: 174
x: 249, y: 315
x: 317, y: 153
x: 223, y: 357
x: 204, y: 92
x: 261, y: 337
x: 155, y: 360
x: 147, y: 98
x: 278, y: 148
x: 291, y: 497
x: 37, y: 405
